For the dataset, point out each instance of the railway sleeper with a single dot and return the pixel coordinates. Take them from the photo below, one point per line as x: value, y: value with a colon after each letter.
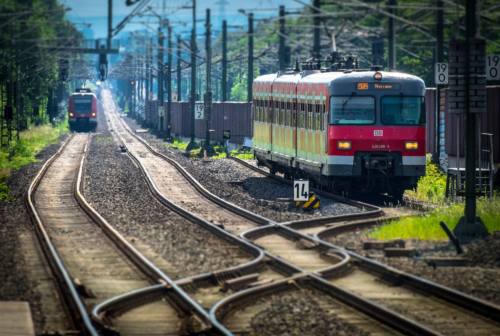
x: 240, y: 282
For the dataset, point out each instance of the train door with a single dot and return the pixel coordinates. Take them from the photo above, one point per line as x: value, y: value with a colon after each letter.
x: 271, y: 99
x: 294, y: 119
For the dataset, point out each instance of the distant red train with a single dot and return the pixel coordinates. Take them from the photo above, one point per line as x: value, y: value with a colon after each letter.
x: 345, y: 130
x: 82, y: 109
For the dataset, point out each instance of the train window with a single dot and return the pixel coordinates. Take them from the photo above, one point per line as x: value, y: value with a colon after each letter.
x: 352, y: 110
x: 398, y: 110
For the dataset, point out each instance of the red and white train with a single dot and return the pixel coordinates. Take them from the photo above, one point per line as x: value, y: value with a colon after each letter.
x: 82, y: 109
x: 344, y: 130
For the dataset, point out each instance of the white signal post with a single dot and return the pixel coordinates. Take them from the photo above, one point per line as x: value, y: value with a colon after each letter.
x: 300, y: 190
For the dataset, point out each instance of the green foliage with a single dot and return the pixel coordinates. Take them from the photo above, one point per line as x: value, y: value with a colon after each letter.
x: 30, y: 26
x: 431, y: 187
x: 239, y: 88
x: 427, y: 227
x: 24, y: 151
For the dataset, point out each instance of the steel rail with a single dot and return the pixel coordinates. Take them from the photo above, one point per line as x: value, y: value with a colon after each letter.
x: 74, y: 302
x: 366, y: 306
x: 461, y: 299
x: 450, y: 295
x: 219, y: 232
x: 179, y: 297
x: 378, y: 312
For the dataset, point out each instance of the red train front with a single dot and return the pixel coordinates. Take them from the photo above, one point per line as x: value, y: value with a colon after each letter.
x: 346, y: 130
x: 82, y: 109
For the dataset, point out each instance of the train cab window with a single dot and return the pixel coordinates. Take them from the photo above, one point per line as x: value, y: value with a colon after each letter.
x: 399, y: 110
x: 349, y: 110
x: 82, y: 103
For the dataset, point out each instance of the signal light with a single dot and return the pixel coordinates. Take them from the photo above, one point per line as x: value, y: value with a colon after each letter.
x: 71, y: 114
x: 344, y: 145
x: 411, y: 145
x: 93, y: 114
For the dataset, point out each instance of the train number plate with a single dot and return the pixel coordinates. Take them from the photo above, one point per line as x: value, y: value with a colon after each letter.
x: 378, y: 133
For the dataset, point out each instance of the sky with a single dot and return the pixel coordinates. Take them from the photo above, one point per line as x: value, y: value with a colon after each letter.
x: 94, y: 12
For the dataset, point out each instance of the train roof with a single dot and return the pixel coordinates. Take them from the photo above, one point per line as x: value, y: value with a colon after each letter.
x: 79, y: 94
x: 317, y: 77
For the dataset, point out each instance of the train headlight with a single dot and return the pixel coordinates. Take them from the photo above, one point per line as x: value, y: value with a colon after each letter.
x: 411, y: 145
x: 343, y: 145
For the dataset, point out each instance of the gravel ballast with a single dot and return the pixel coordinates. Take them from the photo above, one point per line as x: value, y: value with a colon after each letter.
x: 244, y: 187
x: 299, y: 313
x: 116, y: 188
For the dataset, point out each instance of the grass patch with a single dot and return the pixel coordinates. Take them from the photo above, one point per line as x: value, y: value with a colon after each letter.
x: 431, y: 187
x: 23, y: 152
x: 426, y: 227
x: 242, y: 154
x: 220, y: 151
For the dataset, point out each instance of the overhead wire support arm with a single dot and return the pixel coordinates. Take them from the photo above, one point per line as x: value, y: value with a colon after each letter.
x: 129, y: 17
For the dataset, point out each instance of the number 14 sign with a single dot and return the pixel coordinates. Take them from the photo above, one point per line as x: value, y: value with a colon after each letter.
x: 300, y: 190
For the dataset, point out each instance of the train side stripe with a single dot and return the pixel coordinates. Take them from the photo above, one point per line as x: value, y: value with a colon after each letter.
x: 414, y: 160
x: 341, y: 159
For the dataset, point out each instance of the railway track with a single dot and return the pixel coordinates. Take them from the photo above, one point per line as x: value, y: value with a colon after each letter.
x: 92, y: 262
x: 325, y: 267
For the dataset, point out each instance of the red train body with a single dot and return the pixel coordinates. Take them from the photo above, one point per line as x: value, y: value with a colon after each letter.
x: 83, y: 109
x: 345, y: 130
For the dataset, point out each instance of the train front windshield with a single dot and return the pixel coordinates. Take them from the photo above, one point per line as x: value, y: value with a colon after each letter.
x: 352, y: 110
x: 82, y: 104
x: 397, y: 110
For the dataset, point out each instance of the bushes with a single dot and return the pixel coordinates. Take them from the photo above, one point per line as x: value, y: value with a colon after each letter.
x: 431, y: 187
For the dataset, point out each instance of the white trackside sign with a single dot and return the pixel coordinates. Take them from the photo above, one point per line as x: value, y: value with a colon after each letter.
x: 493, y: 67
x: 199, y: 111
x: 441, y: 73
x: 300, y: 190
